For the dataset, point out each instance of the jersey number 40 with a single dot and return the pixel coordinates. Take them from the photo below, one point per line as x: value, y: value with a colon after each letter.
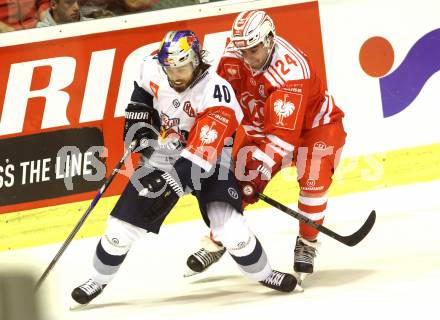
x: 218, y: 93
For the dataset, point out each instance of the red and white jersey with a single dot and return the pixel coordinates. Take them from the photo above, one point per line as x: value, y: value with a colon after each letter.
x: 280, y: 101
x: 199, y: 118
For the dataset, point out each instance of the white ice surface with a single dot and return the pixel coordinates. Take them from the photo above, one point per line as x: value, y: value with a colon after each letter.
x: 394, y: 273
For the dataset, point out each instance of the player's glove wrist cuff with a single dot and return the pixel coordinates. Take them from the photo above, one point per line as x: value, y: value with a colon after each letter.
x: 266, y: 173
x: 177, y: 188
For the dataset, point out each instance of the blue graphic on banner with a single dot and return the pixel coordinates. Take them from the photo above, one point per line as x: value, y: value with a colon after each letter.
x: 402, y: 86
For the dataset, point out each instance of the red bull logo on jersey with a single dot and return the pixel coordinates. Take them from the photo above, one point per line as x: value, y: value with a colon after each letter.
x: 167, y: 122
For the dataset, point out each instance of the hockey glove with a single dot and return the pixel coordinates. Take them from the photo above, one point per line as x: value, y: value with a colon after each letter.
x: 142, y: 124
x: 167, y: 187
x: 166, y: 192
x: 257, y: 184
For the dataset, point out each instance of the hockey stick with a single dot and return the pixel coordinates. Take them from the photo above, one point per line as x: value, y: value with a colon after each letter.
x: 350, y: 240
x: 86, y: 214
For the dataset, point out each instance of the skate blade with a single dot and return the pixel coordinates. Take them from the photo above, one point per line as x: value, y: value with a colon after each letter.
x: 301, y: 277
x: 298, y: 288
x: 75, y: 306
x: 190, y: 273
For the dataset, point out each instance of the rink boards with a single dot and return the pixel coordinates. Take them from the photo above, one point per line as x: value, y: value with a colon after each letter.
x: 383, y: 75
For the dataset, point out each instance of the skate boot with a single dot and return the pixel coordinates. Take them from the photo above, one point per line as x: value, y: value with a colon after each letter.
x: 305, y: 253
x: 205, y: 257
x: 280, y: 281
x: 87, y: 291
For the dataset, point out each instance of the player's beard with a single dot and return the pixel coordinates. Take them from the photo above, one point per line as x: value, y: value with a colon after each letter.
x: 180, y: 86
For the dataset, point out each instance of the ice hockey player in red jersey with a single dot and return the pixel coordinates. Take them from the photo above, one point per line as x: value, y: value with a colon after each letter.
x: 186, y: 112
x: 289, y: 119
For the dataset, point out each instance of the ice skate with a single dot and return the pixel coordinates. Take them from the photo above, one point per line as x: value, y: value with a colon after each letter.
x: 209, y: 254
x: 86, y: 292
x: 280, y: 281
x: 305, y: 253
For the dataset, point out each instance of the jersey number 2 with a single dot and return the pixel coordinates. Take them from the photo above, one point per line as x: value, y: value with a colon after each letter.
x: 218, y: 93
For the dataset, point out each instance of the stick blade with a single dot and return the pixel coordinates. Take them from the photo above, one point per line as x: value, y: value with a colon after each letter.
x: 359, y: 235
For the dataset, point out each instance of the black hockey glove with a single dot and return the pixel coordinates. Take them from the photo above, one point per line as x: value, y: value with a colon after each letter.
x: 177, y: 180
x: 168, y: 187
x: 166, y: 192
x: 142, y: 124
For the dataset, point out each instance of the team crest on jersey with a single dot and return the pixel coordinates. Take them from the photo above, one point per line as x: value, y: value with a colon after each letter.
x: 208, y: 134
x: 284, y: 113
x: 168, y: 122
x: 188, y: 109
x: 283, y: 110
x: 232, y: 71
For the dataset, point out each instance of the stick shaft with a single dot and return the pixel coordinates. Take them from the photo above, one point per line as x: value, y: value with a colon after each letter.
x: 75, y: 230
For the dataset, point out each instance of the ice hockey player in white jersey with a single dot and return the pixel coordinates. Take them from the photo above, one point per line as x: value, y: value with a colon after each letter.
x: 185, y: 112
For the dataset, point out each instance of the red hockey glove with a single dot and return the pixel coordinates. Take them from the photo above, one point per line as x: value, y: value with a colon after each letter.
x: 256, y: 184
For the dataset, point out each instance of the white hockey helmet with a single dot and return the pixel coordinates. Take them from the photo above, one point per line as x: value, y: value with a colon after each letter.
x: 251, y: 28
